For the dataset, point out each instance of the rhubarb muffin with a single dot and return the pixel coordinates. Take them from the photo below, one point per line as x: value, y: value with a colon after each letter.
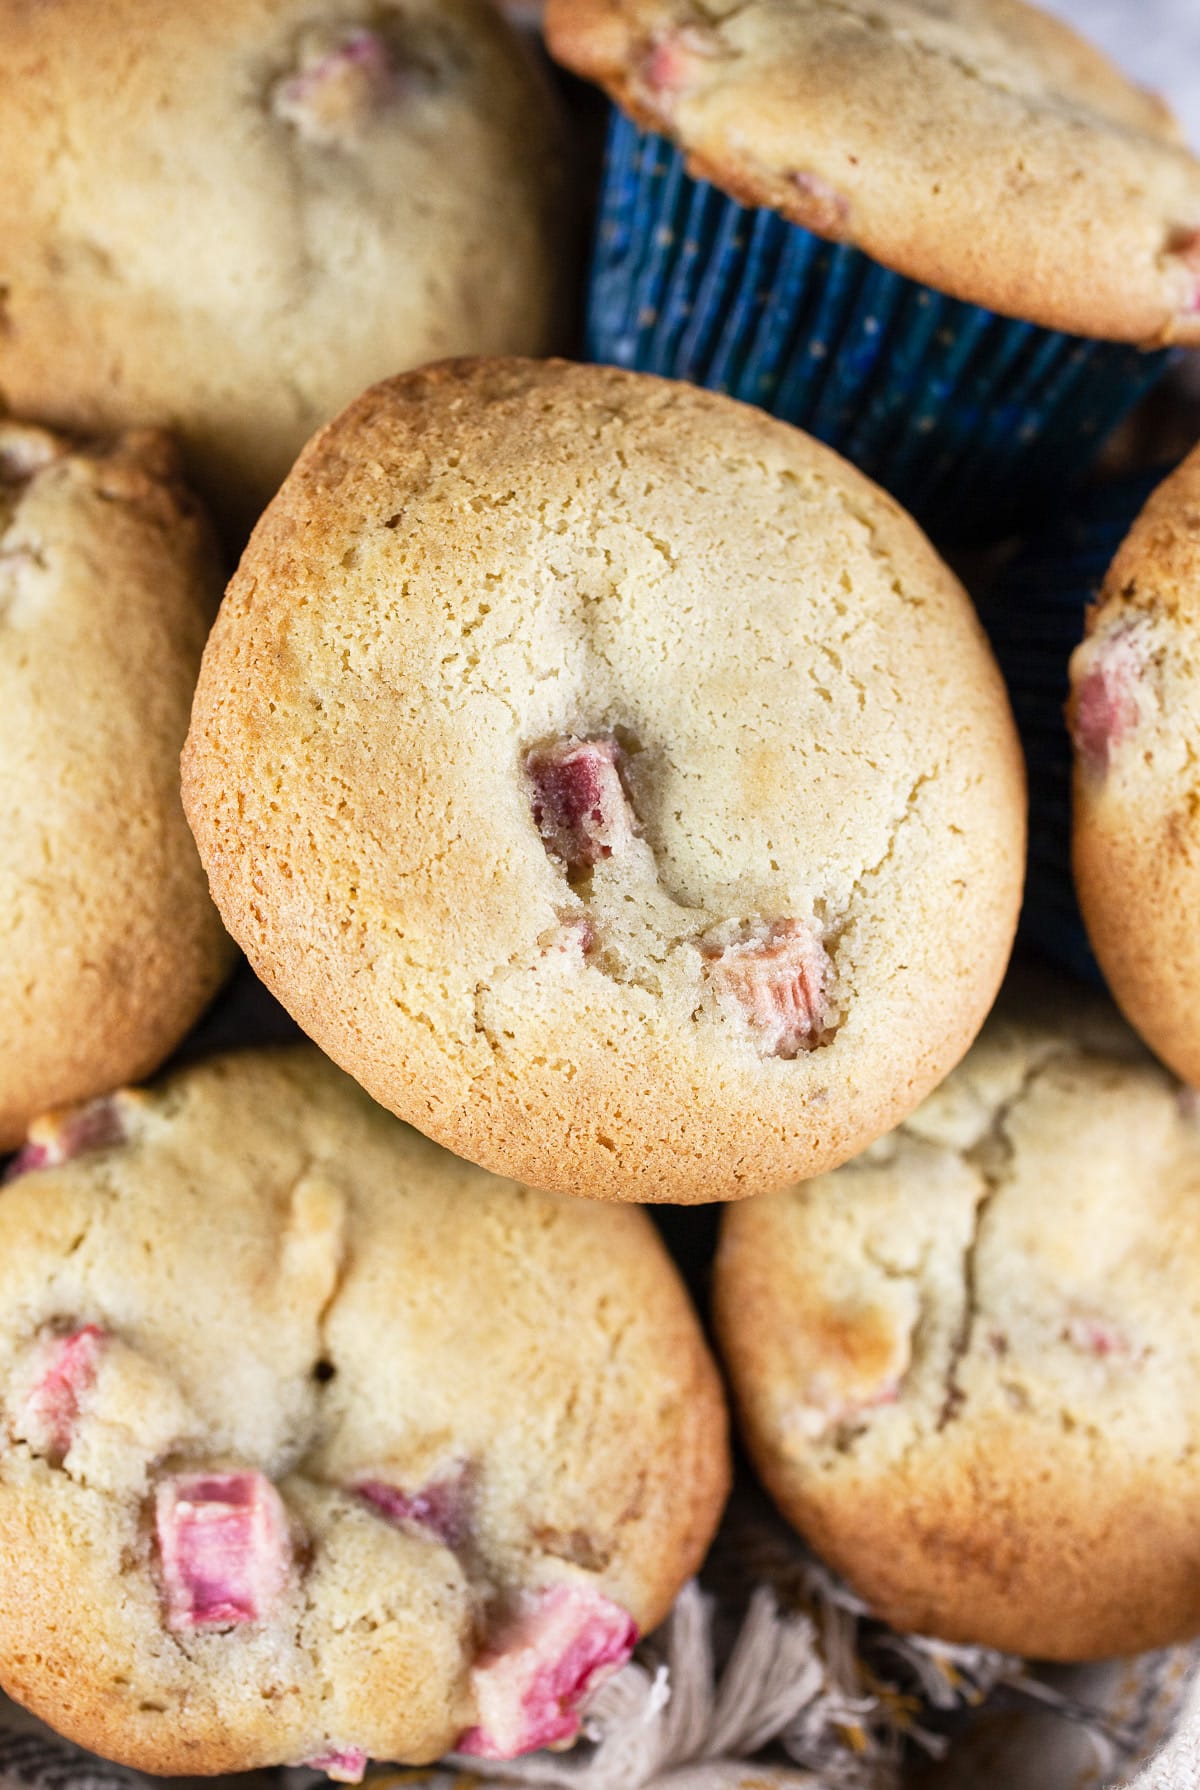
x: 109, y: 943
x: 939, y: 234
x: 1134, y: 713
x: 611, y: 779
x: 966, y: 1363
x: 319, y: 1444
x: 230, y: 218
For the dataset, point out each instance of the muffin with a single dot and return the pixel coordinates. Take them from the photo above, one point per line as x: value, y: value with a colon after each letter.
x: 319, y: 1444
x: 230, y: 218
x: 1135, y: 719
x: 966, y: 1363
x: 111, y: 947
x: 937, y: 233
x: 609, y: 778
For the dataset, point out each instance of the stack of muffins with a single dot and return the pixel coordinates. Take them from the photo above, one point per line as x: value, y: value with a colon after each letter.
x: 618, y: 789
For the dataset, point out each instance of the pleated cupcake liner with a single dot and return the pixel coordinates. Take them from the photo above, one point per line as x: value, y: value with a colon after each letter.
x: 1034, y: 616
x: 975, y: 422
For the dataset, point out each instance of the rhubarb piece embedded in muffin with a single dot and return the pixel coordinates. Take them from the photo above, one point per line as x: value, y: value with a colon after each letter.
x: 442, y: 1505
x: 775, y: 978
x: 529, y: 1686
x: 1104, y: 706
x: 59, y: 1137
x: 676, y: 62
x: 579, y: 801
x: 819, y: 205
x: 341, y: 81
x: 224, y: 1546
x: 1098, y: 1336
x: 828, y: 1408
x: 576, y: 935
x: 1184, y: 259
x: 867, y: 1352
x: 345, y: 1765
x: 65, y: 1375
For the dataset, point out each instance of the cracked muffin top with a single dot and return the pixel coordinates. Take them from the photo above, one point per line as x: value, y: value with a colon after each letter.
x: 966, y: 1362
x: 229, y: 218
x: 1135, y: 718
x: 109, y: 944
x: 319, y: 1444
x: 610, y: 778
x: 978, y: 146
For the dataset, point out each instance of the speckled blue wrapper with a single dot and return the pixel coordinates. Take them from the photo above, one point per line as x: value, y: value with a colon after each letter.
x: 1034, y: 615
x: 976, y: 423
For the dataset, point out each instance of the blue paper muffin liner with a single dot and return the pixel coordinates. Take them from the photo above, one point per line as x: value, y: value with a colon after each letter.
x: 976, y: 423
x: 1034, y: 616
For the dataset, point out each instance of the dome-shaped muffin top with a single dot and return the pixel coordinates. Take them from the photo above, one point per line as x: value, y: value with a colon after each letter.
x: 1135, y: 718
x: 229, y: 218
x: 978, y: 146
x: 610, y: 778
x: 320, y: 1444
x: 109, y: 944
x: 966, y: 1363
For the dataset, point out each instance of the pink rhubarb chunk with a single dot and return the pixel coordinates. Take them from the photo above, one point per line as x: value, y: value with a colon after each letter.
x: 60, y: 1137
x: 1106, y: 707
x: 442, y: 1506
x: 336, y: 91
x: 776, y: 980
x: 830, y: 1402
x: 817, y: 1419
x: 579, y: 801
x: 68, y: 1373
x: 1186, y: 254
x: 1097, y: 1336
x: 579, y: 935
x: 345, y: 1765
x: 677, y: 61
x: 825, y: 210
x: 530, y: 1685
x: 224, y: 1545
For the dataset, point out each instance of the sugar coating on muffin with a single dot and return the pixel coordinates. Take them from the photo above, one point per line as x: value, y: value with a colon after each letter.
x: 229, y: 219
x: 898, y: 125
x: 319, y: 1445
x: 109, y: 944
x: 965, y: 1362
x: 610, y: 778
x: 1134, y: 714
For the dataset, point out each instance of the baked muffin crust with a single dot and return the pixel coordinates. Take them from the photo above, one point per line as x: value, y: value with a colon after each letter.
x: 109, y: 944
x: 1135, y: 717
x: 229, y: 218
x: 610, y: 778
x: 319, y: 1444
x: 965, y: 1363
